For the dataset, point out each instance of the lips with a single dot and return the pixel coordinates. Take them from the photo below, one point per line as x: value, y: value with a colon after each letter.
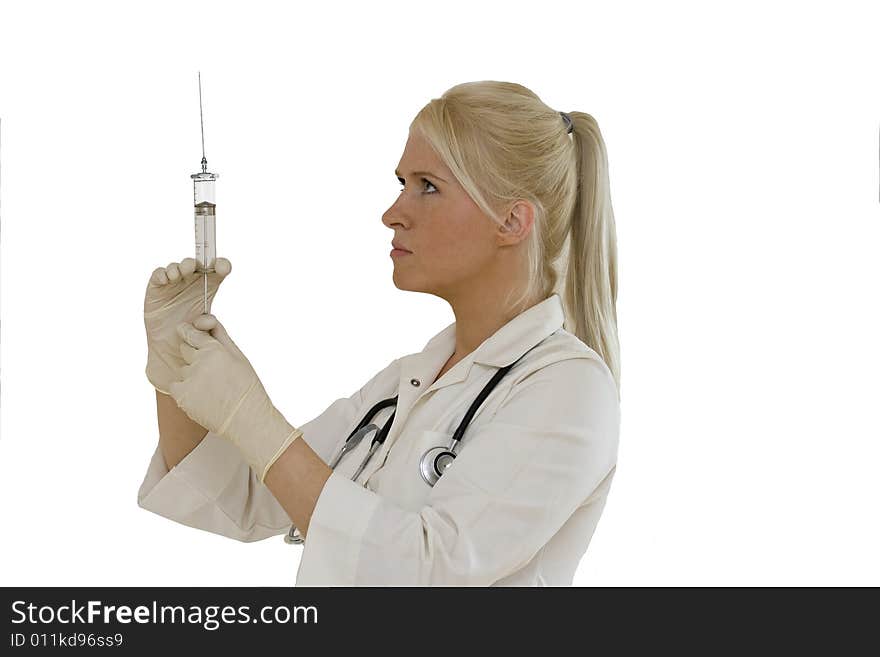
x: 395, y: 245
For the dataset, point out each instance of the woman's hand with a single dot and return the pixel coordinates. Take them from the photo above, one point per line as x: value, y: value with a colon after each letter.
x: 175, y: 294
x: 219, y: 389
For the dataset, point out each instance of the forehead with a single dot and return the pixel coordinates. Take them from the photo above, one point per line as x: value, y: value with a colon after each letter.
x: 419, y: 156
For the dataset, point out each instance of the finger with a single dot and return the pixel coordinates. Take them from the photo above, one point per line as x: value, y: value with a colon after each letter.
x: 158, y: 277
x: 187, y: 267
x: 211, y: 324
x: 193, y: 336
x: 173, y: 272
x: 188, y: 353
x: 205, y: 322
x: 222, y: 266
x: 219, y: 333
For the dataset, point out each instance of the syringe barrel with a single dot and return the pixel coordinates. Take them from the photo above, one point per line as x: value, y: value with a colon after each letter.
x: 205, y: 220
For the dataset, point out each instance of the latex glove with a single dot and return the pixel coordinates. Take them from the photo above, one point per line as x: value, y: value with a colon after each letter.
x: 219, y: 389
x: 175, y: 294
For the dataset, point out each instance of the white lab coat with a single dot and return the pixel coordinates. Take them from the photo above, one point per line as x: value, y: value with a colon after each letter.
x: 517, y: 507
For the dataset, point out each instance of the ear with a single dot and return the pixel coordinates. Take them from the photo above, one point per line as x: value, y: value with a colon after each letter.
x: 519, y: 221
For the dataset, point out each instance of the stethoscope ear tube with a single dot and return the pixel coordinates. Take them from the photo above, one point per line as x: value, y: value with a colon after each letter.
x: 293, y: 536
x: 363, y: 464
x: 351, y: 443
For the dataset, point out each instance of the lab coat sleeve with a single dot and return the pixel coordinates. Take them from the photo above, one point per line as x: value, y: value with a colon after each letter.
x: 215, y: 490
x: 516, y: 481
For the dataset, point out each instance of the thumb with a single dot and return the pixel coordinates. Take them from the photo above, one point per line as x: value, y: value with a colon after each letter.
x: 205, y: 322
x: 218, y: 332
x: 193, y: 336
x: 223, y: 267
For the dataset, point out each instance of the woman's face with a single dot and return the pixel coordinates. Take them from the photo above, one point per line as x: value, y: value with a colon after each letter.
x: 451, y: 241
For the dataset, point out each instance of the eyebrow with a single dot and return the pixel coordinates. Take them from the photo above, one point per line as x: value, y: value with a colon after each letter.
x: 420, y: 173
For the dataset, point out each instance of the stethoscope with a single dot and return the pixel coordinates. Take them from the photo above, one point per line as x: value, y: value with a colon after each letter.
x: 434, y: 461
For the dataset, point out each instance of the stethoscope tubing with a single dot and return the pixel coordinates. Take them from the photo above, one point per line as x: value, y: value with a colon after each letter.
x: 429, y: 467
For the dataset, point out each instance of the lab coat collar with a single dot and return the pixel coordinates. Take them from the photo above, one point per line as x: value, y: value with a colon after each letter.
x: 514, y: 338
x: 502, y: 348
x: 498, y: 350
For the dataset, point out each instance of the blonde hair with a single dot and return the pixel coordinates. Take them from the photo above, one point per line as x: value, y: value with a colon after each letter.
x: 503, y: 143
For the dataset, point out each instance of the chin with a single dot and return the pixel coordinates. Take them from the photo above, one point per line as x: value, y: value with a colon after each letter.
x: 407, y: 284
x: 399, y: 281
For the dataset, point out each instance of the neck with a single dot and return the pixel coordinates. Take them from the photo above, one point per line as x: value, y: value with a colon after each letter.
x: 477, y: 318
x: 478, y: 302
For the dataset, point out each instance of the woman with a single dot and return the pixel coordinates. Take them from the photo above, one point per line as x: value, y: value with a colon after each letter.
x: 504, y: 213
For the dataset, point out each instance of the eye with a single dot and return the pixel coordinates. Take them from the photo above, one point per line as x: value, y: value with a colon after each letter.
x: 424, y: 180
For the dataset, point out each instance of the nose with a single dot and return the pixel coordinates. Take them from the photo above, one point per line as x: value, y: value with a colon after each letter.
x: 392, y: 216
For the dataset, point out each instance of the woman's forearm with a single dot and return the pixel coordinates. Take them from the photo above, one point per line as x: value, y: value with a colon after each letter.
x: 178, y: 434
x: 296, y: 480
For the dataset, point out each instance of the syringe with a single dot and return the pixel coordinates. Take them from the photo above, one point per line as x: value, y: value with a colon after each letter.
x: 205, y: 210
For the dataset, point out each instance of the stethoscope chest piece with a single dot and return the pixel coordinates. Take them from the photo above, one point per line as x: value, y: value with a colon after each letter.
x: 434, y: 462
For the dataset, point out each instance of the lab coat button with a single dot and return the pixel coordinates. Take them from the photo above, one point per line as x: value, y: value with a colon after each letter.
x: 415, y: 382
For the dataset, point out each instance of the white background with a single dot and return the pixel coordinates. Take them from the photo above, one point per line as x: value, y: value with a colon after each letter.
x: 743, y: 151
